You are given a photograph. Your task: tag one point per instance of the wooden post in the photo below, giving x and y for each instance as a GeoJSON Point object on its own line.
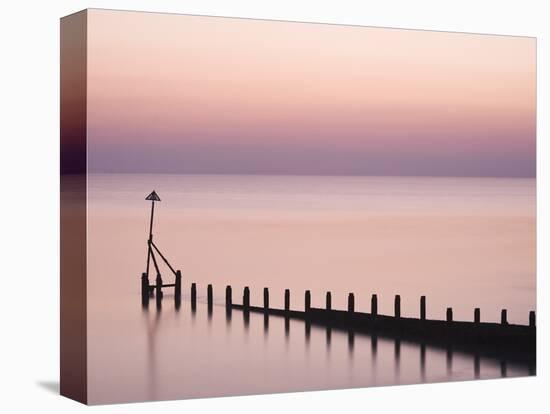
{"type": "Point", "coordinates": [423, 308]}
{"type": "Point", "coordinates": [210, 296]}
{"type": "Point", "coordinates": [477, 315]}
{"type": "Point", "coordinates": [193, 293]}
{"type": "Point", "coordinates": [144, 286]}
{"type": "Point", "coordinates": [246, 298]}
{"type": "Point", "coordinates": [145, 290]}
{"type": "Point", "coordinates": [307, 301]}
{"type": "Point", "coordinates": [158, 286]}
{"type": "Point", "coordinates": [504, 317]}
{"type": "Point", "coordinates": [177, 286]}
{"type": "Point", "coordinates": [532, 319]}
{"type": "Point", "coordinates": [374, 305]}
{"type": "Point", "coordinates": [177, 290]}
{"type": "Point", "coordinates": [266, 299]}
{"type": "Point", "coordinates": [228, 297]}
{"type": "Point", "coordinates": [351, 303]}
{"type": "Point", "coordinates": [449, 314]}
{"type": "Point", "coordinates": [397, 306]}
{"type": "Point", "coordinates": [329, 301]}
{"type": "Point", "coordinates": [287, 300]}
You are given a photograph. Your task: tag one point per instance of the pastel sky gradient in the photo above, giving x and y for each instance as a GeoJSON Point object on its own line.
{"type": "Point", "coordinates": [207, 95]}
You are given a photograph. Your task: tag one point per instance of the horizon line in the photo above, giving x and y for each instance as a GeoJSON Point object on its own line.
{"type": "Point", "coordinates": [524, 177]}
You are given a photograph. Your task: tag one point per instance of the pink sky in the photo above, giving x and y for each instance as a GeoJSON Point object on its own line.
{"type": "Point", "coordinates": [191, 94]}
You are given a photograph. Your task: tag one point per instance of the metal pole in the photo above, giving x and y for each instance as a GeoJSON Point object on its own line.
{"type": "Point", "coordinates": [150, 240]}
{"type": "Point", "coordinates": [153, 197]}
{"type": "Point", "coordinates": [163, 258]}
{"type": "Point", "coordinates": [151, 221]}
{"type": "Point", "coordinates": [148, 258]}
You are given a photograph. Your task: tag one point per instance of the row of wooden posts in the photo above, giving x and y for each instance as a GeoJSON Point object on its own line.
{"type": "Point", "coordinates": [328, 305]}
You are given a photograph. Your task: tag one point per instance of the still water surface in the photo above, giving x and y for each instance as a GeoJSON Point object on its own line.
{"type": "Point", "coordinates": [462, 242]}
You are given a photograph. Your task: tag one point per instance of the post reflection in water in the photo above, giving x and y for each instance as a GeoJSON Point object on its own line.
{"type": "Point", "coordinates": [351, 341]}
{"type": "Point", "coordinates": [209, 313]}
{"type": "Point", "coordinates": [374, 345]}
{"type": "Point", "coordinates": [397, 356]}
{"type": "Point", "coordinates": [246, 320]}
{"type": "Point", "coordinates": [152, 325]}
{"type": "Point", "coordinates": [449, 359]}
{"type": "Point", "coordinates": [503, 368]}
{"type": "Point", "coordinates": [476, 366]}
{"type": "Point", "coordinates": [193, 307]}
{"type": "Point", "coordinates": [287, 329]}
{"type": "Point", "coordinates": [423, 362]}
{"type": "Point", "coordinates": [266, 325]}
{"type": "Point", "coordinates": [308, 332]}
{"type": "Point", "coordinates": [228, 314]}
{"type": "Point", "coordinates": [328, 339]}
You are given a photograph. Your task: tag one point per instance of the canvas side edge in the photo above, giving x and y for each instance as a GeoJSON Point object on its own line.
{"type": "Point", "coordinates": [73, 213]}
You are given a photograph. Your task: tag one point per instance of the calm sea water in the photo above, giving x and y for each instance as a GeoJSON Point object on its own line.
{"type": "Point", "coordinates": [462, 242]}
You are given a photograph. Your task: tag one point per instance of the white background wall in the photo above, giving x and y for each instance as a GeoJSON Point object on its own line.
{"type": "Point", "coordinates": [29, 134]}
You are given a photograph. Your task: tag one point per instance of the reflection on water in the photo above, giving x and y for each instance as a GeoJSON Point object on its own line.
{"type": "Point", "coordinates": [181, 343]}
{"type": "Point", "coordinates": [397, 356]}
{"type": "Point", "coordinates": [423, 362]}
{"type": "Point", "coordinates": [287, 328]}
{"type": "Point", "coordinates": [351, 341]}
{"type": "Point", "coordinates": [449, 360]}
{"type": "Point", "coordinates": [153, 324]}
{"type": "Point", "coordinates": [503, 369]}
{"type": "Point", "coordinates": [266, 324]}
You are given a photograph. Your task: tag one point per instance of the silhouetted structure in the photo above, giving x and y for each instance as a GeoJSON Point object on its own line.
{"type": "Point", "coordinates": [397, 306]}
{"type": "Point", "coordinates": [307, 300]}
{"type": "Point", "coordinates": [147, 289]}
{"type": "Point", "coordinates": [504, 317]}
{"type": "Point", "coordinates": [423, 308]}
{"type": "Point", "coordinates": [193, 295]}
{"type": "Point", "coordinates": [351, 303]}
{"type": "Point", "coordinates": [503, 340]}
{"type": "Point", "coordinates": [228, 297]}
{"type": "Point", "coordinates": [287, 299]}
{"type": "Point", "coordinates": [246, 298]}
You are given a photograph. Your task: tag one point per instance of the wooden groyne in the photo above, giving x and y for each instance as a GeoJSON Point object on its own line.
{"type": "Point", "coordinates": [504, 341]}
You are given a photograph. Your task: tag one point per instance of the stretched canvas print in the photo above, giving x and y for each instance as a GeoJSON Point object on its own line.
{"type": "Point", "coordinates": [252, 206]}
